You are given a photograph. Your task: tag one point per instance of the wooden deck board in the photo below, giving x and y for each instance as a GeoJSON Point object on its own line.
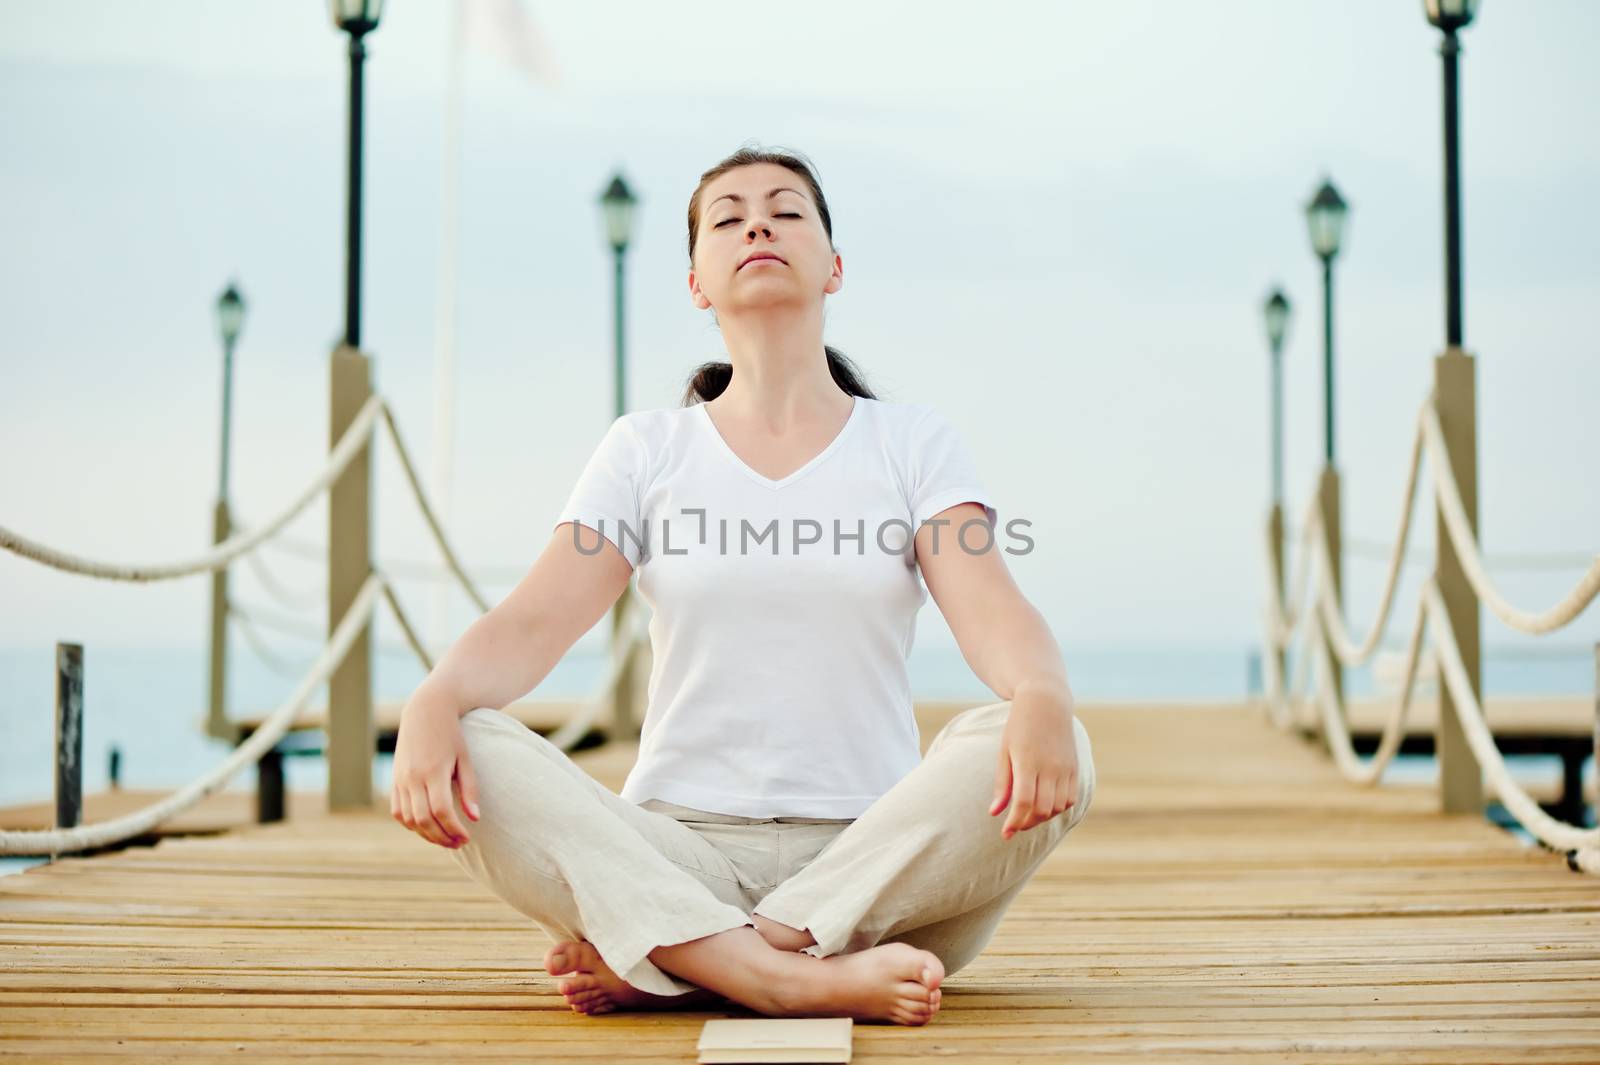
{"type": "Point", "coordinates": [1229, 897]}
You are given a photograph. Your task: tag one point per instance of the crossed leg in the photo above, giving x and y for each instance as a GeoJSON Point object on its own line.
{"type": "Point", "coordinates": [654, 904]}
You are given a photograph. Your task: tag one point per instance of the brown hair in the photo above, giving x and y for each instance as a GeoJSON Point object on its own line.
{"type": "Point", "coordinates": [710, 379]}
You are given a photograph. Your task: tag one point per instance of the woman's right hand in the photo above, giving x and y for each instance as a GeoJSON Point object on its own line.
{"type": "Point", "coordinates": [430, 758]}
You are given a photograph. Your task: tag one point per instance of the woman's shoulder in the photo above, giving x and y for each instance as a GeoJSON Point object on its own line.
{"type": "Point", "coordinates": [905, 420]}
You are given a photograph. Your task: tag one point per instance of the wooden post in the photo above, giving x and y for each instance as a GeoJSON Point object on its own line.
{"type": "Point", "coordinates": [217, 723]}
{"type": "Point", "coordinates": [1456, 395]}
{"type": "Point", "coordinates": [270, 787]}
{"type": "Point", "coordinates": [69, 734]}
{"type": "Point", "coordinates": [1275, 539]}
{"type": "Point", "coordinates": [351, 732]}
{"type": "Point", "coordinates": [1328, 507]}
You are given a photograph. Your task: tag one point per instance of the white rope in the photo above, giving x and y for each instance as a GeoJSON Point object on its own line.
{"type": "Point", "coordinates": [428, 515]}
{"type": "Point", "coordinates": [84, 837]}
{"type": "Point", "coordinates": [1348, 651]}
{"type": "Point", "coordinates": [1584, 842]}
{"type": "Point", "coordinates": [407, 568]}
{"type": "Point", "coordinates": [310, 631]}
{"type": "Point", "coordinates": [350, 444]}
{"type": "Point", "coordinates": [1333, 714]}
{"type": "Point", "coordinates": [1466, 546]}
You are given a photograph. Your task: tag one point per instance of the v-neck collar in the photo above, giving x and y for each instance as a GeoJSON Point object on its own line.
{"type": "Point", "coordinates": [815, 461]}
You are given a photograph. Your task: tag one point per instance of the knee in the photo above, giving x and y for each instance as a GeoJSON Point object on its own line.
{"type": "Point", "coordinates": [1086, 772]}
{"type": "Point", "coordinates": [987, 720]}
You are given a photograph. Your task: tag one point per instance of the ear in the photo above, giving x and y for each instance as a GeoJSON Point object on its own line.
{"type": "Point", "coordinates": [836, 278]}
{"type": "Point", "coordinates": [697, 297]}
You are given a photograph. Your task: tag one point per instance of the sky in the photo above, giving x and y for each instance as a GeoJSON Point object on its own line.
{"type": "Point", "coordinates": [1058, 223]}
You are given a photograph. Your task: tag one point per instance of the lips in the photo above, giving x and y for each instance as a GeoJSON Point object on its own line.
{"type": "Point", "coordinates": [761, 255]}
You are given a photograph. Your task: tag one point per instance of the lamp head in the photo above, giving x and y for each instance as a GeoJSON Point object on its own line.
{"type": "Point", "coordinates": [617, 204]}
{"type": "Point", "coordinates": [1450, 15]}
{"type": "Point", "coordinates": [1325, 216]}
{"type": "Point", "coordinates": [230, 313]}
{"type": "Point", "coordinates": [1276, 312]}
{"type": "Point", "coordinates": [355, 16]}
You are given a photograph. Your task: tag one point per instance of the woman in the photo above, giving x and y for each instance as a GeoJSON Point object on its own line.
{"type": "Point", "coordinates": [781, 842]}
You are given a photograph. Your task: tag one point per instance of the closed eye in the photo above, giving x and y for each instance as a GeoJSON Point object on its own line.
{"type": "Point", "coordinates": [783, 214]}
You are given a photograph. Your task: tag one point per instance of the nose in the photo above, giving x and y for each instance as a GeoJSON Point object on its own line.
{"type": "Point", "coordinates": [764, 228]}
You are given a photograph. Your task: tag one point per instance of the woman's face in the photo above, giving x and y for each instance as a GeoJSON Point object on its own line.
{"type": "Point", "coordinates": [761, 210]}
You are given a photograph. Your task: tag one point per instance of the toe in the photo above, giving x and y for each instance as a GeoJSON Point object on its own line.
{"type": "Point", "coordinates": [559, 959]}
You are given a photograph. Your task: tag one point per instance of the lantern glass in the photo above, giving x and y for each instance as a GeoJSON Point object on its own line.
{"type": "Point", "coordinates": [1325, 216]}
{"type": "Point", "coordinates": [351, 13]}
{"type": "Point", "coordinates": [1450, 14]}
{"type": "Point", "coordinates": [617, 204]}
{"type": "Point", "coordinates": [1276, 313]}
{"type": "Point", "coordinates": [230, 313]}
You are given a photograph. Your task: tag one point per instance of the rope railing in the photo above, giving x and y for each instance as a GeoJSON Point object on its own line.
{"type": "Point", "coordinates": [1431, 646]}
{"type": "Point", "coordinates": [349, 445]}
{"type": "Point", "coordinates": [355, 620]}
{"type": "Point", "coordinates": [262, 740]}
{"type": "Point", "coordinates": [1466, 546]}
{"type": "Point", "coordinates": [439, 538]}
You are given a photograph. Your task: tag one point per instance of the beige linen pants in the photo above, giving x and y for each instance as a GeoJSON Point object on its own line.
{"type": "Point", "coordinates": [924, 865]}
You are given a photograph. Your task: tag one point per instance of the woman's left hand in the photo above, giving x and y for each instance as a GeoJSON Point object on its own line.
{"type": "Point", "coordinates": [1038, 770]}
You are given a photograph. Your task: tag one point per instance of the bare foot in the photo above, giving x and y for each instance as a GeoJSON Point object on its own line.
{"type": "Point", "coordinates": [594, 988]}
{"type": "Point", "coordinates": [893, 982]}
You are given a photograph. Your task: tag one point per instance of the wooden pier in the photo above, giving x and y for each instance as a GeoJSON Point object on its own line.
{"type": "Point", "coordinates": [1229, 898]}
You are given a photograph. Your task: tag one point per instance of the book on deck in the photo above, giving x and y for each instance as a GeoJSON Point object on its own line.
{"type": "Point", "coordinates": [727, 1040]}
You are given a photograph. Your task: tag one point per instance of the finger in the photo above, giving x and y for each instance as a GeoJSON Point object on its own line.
{"type": "Point", "coordinates": [1002, 783]}
{"type": "Point", "coordinates": [1024, 784]}
{"type": "Point", "coordinates": [442, 805]}
{"type": "Point", "coordinates": [467, 778]}
{"type": "Point", "coordinates": [404, 806]}
{"type": "Point", "coordinates": [422, 814]}
{"type": "Point", "coordinates": [444, 808]}
{"type": "Point", "coordinates": [1044, 801]}
{"type": "Point", "coordinates": [1067, 795]}
{"type": "Point", "coordinates": [412, 801]}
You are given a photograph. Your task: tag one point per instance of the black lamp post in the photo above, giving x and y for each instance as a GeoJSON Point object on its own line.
{"type": "Point", "coordinates": [1450, 16]}
{"type": "Point", "coordinates": [1325, 219]}
{"type": "Point", "coordinates": [230, 318]}
{"type": "Point", "coordinates": [357, 18]}
{"type": "Point", "coordinates": [1276, 312]}
{"type": "Point", "coordinates": [617, 204]}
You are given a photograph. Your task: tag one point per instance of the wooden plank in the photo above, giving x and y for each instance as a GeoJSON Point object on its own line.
{"type": "Point", "coordinates": [1229, 896]}
{"type": "Point", "coordinates": [1523, 715]}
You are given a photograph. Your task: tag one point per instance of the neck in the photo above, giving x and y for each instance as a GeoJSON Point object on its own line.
{"type": "Point", "coordinates": [780, 368]}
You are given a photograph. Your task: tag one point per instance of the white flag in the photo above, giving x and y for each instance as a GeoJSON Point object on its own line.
{"type": "Point", "coordinates": [503, 29]}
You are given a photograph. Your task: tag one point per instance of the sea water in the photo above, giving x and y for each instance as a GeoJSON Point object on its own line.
{"type": "Point", "coordinates": [148, 704]}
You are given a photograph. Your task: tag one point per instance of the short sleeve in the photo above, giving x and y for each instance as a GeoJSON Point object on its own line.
{"type": "Point", "coordinates": [942, 471]}
{"type": "Point", "coordinates": [606, 496]}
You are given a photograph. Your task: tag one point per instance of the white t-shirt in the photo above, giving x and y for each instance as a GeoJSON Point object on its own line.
{"type": "Point", "coordinates": [779, 685]}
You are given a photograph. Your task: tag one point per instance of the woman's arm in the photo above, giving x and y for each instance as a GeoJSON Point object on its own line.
{"type": "Point", "coordinates": [502, 656]}
{"type": "Point", "coordinates": [507, 652]}
{"type": "Point", "coordinates": [1002, 636]}
{"type": "Point", "coordinates": [1008, 645]}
